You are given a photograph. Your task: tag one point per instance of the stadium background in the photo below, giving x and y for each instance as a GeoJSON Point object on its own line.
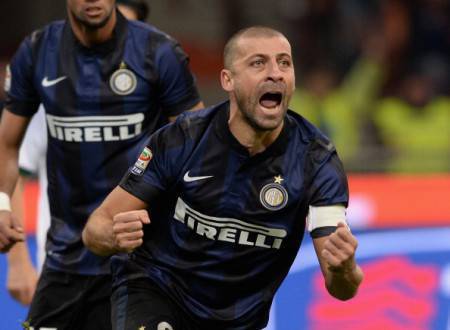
{"type": "Point", "coordinates": [378, 74]}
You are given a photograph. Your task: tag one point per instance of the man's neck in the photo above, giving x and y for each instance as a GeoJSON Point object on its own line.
{"type": "Point", "coordinates": [90, 37]}
{"type": "Point", "coordinates": [256, 141]}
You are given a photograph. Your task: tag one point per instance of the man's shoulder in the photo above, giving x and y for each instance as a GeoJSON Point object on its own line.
{"type": "Point", "coordinates": [308, 131]}
{"type": "Point", "coordinates": [48, 33]}
{"type": "Point", "coordinates": [190, 125]}
{"type": "Point", "coordinates": [150, 31]}
{"type": "Point", "coordinates": [317, 145]}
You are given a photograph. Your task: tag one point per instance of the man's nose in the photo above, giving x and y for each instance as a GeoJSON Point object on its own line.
{"type": "Point", "coordinates": [274, 71]}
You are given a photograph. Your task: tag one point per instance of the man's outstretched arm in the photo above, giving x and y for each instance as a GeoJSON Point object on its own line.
{"type": "Point", "coordinates": [12, 130]}
{"type": "Point", "coordinates": [117, 224]}
{"type": "Point", "coordinates": [336, 254]}
{"type": "Point", "coordinates": [22, 276]}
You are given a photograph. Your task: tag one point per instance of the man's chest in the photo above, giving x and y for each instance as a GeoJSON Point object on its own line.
{"type": "Point", "coordinates": [224, 196]}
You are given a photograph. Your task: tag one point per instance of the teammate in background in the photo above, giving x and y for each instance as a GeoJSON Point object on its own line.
{"type": "Point", "coordinates": [106, 84]}
{"type": "Point", "coordinates": [22, 275]}
{"type": "Point", "coordinates": [229, 190]}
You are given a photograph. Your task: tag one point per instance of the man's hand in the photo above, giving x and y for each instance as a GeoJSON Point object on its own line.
{"type": "Point", "coordinates": [339, 250]}
{"type": "Point", "coordinates": [336, 254]}
{"type": "Point", "coordinates": [10, 231]}
{"type": "Point", "coordinates": [128, 229]}
{"type": "Point", "coordinates": [22, 279]}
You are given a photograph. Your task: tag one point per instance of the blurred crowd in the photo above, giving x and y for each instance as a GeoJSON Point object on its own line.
{"type": "Point", "coordinates": [374, 75]}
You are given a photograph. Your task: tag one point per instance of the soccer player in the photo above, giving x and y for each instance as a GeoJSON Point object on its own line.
{"type": "Point", "coordinates": [22, 275]}
{"type": "Point", "coordinates": [212, 213]}
{"type": "Point", "coordinates": [106, 84]}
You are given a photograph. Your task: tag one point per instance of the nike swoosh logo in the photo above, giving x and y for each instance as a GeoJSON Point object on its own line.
{"type": "Point", "coordinates": [48, 83]}
{"type": "Point", "coordinates": [188, 178]}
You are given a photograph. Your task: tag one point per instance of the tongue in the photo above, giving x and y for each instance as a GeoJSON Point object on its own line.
{"type": "Point", "coordinates": [268, 103]}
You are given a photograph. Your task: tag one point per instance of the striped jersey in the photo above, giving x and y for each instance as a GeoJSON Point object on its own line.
{"type": "Point", "coordinates": [101, 103]}
{"type": "Point", "coordinates": [225, 225]}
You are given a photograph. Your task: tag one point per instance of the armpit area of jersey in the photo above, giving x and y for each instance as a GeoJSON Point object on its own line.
{"type": "Point", "coordinates": [21, 108]}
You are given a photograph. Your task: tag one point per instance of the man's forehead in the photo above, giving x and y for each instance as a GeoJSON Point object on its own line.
{"type": "Point", "coordinates": [253, 45]}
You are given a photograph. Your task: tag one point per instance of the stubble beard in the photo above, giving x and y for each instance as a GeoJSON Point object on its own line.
{"type": "Point", "coordinates": [248, 110]}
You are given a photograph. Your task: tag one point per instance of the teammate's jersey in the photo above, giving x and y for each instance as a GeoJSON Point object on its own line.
{"type": "Point", "coordinates": [226, 226]}
{"type": "Point", "coordinates": [100, 102]}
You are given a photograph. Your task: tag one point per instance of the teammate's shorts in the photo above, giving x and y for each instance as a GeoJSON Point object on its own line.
{"type": "Point", "coordinates": [70, 301]}
{"type": "Point", "coordinates": [141, 304]}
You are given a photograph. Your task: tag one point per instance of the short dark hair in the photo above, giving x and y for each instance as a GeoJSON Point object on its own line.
{"type": "Point", "coordinates": [229, 51]}
{"type": "Point", "coordinates": [140, 6]}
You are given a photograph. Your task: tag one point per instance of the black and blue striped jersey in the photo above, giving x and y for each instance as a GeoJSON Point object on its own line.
{"type": "Point", "coordinates": [226, 226]}
{"type": "Point", "coordinates": [101, 103]}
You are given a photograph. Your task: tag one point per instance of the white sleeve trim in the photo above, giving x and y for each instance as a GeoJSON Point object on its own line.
{"type": "Point", "coordinates": [325, 216]}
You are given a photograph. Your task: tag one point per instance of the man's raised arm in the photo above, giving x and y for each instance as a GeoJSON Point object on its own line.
{"type": "Point", "coordinates": [117, 224]}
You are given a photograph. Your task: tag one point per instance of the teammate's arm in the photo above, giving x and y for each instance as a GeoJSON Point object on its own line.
{"type": "Point", "coordinates": [336, 254]}
{"type": "Point", "coordinates": [117, 224]}
{"type": "Point", "coordinates": [12, 130]}
{"type": "Point", "coordinates": [22, 276]}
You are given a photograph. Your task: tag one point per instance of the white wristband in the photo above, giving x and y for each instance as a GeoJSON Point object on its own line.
{"type": "Point", "coordinates": [5, 203]}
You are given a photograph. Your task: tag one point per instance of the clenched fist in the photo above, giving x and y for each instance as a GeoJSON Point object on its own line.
{"type": "Point", "coordinates": [339, 250]}
{"type": "Point", "coordinates": [10, 231]}
{"type": "Point", "coordinates": [128, 229]}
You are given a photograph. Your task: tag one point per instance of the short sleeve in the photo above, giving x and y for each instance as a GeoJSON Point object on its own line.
{"type": "Point", "coordinates": [177, 88]}
{"type": "Point", "coordinates": [21, 96]}
{"type": "Point", "coordinates": [158, 164]}
{"type": "Point", "coordinates": [330, 186]}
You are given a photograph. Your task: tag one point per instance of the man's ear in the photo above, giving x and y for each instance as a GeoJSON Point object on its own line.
{"type": "Point", "coordinates": [226, 80]}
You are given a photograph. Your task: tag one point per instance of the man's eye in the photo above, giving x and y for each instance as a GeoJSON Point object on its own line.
{"type": "Point", "coordinates": [257, 63]}
{"type": "Point", "coordinates": [285, 63]}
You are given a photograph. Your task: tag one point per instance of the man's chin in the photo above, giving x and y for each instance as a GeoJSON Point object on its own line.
{"type": "Point", "coordinates": [94, 23]}
{"type": "Point", "coordinates": [266, 125]}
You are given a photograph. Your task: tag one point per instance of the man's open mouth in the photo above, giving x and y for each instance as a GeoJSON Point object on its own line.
{"type": "Point", "coordinates": [270, 99]}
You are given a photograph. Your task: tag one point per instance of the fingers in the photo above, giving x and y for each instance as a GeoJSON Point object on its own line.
{"type": "Point", "coordinates": [129, 246]}
{"type": "Point", "coordinates": [16, 236]}
{"type": "Point", "coordinates": [344, 233]}
{"type": "Point", "coordinates": [9, 233]}
{"type": "Point", "coordinates": [339, 248]}
{"type": "Point", "coordinates": [138, 215]}
{"type": "Point", "coordinates": [4, 242]}
{"type": "Point", "coordinates": [330, 258]}
{"type": "Point", "coordinates": [128, 229]}
{"type": "Point", "coordinates": [16, 224]}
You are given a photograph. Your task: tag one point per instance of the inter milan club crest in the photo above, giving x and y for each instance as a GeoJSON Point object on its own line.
{"type": "Point", "coordinates": [141, 164]}
{"type": "Point", "coordinates": [123, 81]}
{"type": "Point", "coordinates": [273, 195]}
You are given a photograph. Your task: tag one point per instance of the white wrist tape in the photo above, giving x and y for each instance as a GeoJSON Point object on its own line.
{"type": "Point", "coordinates": [5, 203]}
{"type": "Point", "coordinates": [325, 216]}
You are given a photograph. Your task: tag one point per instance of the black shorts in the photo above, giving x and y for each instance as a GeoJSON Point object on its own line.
{"type": "Point", "coordinates": [141, 304]}
{"type": "Point", "coordinates": [70, 301]}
